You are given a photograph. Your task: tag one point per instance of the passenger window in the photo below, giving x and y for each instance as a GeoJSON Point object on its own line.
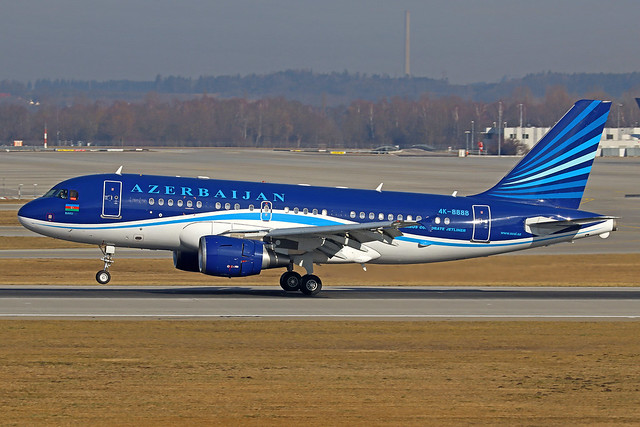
{"type": "Point", "coordinates": [399, 217]}
{"type": "Point", "coordinates": [296, 210]}
{"type": "Point", "coordinates": [73, 195]}
{"type": "Point", "coordinates": [198, 204]}
{"type": "Point", "coordinates": [315, 211]}
{"type": "Point", "coordinates": [160, 202]}
{"type": "Point", "coordinates": [227, 206]}
{"type": "Point", "coordinates": [218, 205]}
{"type": "Point", "coordinates": [409, 218]}
{"type": "Point", "coordinates": [372, 215]}
{"type": "Point", "coordinates": [324, 212]}
{"type": "Point", "coordinates": [152, 202]}
{"type": "Point", "coordinates": [189, 203]}
{"type": "Point", "coordinates": [305, 211]}
{"type": "Point", "coordinates": [381, 216]}
{"type": "Point", "coordinates": [352, 214]}
{"type": "Point", "coordinates": [390, 217]}
{"type": "Point", "coordinates": [180, 203]}
{"type": "Point", "coordinates": [251, 208]}
{"type": "Point", "coordinates": [418, 218]}
{"type": "Point", "coordinates": [170, 202]}
{"type": "Point", "coordinates": [361, 215]}
{"type": "Point", "coordinates": [236, 206]}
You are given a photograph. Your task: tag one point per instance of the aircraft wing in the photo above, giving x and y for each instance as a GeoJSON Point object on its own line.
{"type": "Point", "coordinates": [344, 241]}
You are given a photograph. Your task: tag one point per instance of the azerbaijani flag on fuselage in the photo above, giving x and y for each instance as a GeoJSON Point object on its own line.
{"type": "Point", "coordinates": [71, 208]}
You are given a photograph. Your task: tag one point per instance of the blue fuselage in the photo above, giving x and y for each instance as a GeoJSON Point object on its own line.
{"type": "Point", "coordinates": [153, 212]}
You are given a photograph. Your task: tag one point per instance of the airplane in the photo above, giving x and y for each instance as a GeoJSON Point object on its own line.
{"type": "Point", "coordinates": [237, 229]}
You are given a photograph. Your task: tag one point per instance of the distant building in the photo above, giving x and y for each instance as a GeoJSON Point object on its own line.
{"type": "Point", "coordinates": [611, 137]}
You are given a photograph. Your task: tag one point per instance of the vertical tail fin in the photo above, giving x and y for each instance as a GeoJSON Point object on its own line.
{"type": "Point", "coordinates": [556, 170]}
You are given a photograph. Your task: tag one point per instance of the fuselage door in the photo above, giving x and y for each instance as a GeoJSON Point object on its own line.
{"type": "Point", "coordinates": [266, 211]}
{"type": "Point", "coordinates": [481, 223]}
{"type": "Point", "coordinates": [111, 199]}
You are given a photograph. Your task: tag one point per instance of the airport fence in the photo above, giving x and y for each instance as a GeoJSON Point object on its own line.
{"type": "Point", "coordinates": [19, 192]}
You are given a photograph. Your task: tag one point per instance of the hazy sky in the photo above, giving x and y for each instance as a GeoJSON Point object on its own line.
{"type": "Point", "coordinates": [465, 40]}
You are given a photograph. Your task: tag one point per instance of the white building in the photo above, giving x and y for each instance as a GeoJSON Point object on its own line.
{"type": "Point", "coordinates": [612, 138]}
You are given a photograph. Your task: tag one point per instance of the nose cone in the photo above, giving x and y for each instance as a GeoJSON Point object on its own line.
{"type": "Point", "coordinates": [31, 210]}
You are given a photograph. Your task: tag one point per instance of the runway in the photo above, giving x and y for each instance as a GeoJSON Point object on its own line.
{"type": "Point", "coordinates": [611, 181]}
{"type": "Point", "coordinates": [353, 303]}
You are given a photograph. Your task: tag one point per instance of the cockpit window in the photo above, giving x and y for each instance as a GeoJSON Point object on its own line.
{"type": "Point", "coordinates": [50, 193]}
{"type": "Point", "coordinates": [59, 193]}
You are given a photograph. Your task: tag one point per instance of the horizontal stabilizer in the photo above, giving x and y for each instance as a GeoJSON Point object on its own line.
{"type": "Point", "coordinates": [542, 226]}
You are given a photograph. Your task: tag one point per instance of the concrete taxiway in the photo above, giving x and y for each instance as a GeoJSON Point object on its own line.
{"type": "Point", "coordinates": [333, 303]}
{"type": "Point", "coordinates": [612, 183]}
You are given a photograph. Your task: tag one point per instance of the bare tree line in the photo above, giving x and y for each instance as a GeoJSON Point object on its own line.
{"type": "Point", "coordinates": [204, 120]}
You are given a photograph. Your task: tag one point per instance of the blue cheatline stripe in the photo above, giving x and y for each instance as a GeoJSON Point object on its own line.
{"type": "Point", "coordinates": [536, 196]}
{"type": "Point", "coordinates": [578, 185]}
{"type": "Point", "coordinates": [588, 129]}
{"type": "Point", "coordinates": [292, 218]}
{"type": "Point", "coordinates": [554, 171]}
{"type": "Point", "coordinates": [532, 186]}
{"type": "Point", "coordinates": [590, 144]}
{"type": "Point", "coordinates": [592, 106]}
{"type": "Point", "coordinates": [567, 175]}
{"type": "Point", "coordinates": [521, 241]}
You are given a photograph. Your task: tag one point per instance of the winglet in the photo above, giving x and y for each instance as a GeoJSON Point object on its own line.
{"type": "Point", "coordinates": [119, 171]}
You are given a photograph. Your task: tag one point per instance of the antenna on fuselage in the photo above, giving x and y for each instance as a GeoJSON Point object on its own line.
{"type": "Point", "coordinates": [379, 189]}
{"type": "Point", "coordinates": [119, 171]}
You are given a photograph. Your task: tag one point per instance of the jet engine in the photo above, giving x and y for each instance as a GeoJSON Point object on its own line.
{"type": "Point", "coordinates": [233, 257]}
{"type": "Point", "coordinates": [186, 261]}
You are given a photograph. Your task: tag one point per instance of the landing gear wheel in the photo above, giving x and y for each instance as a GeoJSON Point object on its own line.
{"type": "Point", "coordinates": [310, 284]}
{"type": "Point", "coordinates": [290, 281]}
{"type": "Point", "coordinates": [103, 277]}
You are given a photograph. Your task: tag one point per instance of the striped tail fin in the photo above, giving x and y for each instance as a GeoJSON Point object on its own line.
{"type": "Point", "coordinates": [556, 170]}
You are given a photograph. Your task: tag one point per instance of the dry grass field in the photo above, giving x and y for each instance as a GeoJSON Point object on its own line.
{"type": "Point", "coordinates": [246, 372]}
{"type": "Point", "coordinates": [319, 373]}
{"type": "Point", "coordinates": [9, 218]}
{"type": "Point", "coordinates": [513, 270]}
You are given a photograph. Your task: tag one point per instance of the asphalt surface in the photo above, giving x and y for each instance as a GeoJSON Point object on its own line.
{"type": "Point", "coordinates": [333, 303]}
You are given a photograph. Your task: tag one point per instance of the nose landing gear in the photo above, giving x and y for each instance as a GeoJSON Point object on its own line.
{"type": "Point", "coordinates": [103, 276]}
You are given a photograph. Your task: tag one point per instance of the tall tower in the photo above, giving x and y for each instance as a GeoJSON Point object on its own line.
{"type": "Point", "coordinates": [407, 62]}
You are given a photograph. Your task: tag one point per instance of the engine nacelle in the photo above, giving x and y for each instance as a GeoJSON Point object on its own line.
{"type": "Point", "coordinates": [232, 257]}
{"type": "Point", "coordinates": [186, 261]}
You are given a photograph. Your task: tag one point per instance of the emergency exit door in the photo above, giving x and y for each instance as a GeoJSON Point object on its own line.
{"type": "Point", "coordinates": [111, 199]}
{"type": "Point", "coordinates": [481, 223]}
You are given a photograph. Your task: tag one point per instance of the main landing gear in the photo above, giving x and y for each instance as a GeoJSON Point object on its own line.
{"type": "Point", "coordinates": [103, 276]}
{"type": "Point", "coordinates": [309, 284]}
